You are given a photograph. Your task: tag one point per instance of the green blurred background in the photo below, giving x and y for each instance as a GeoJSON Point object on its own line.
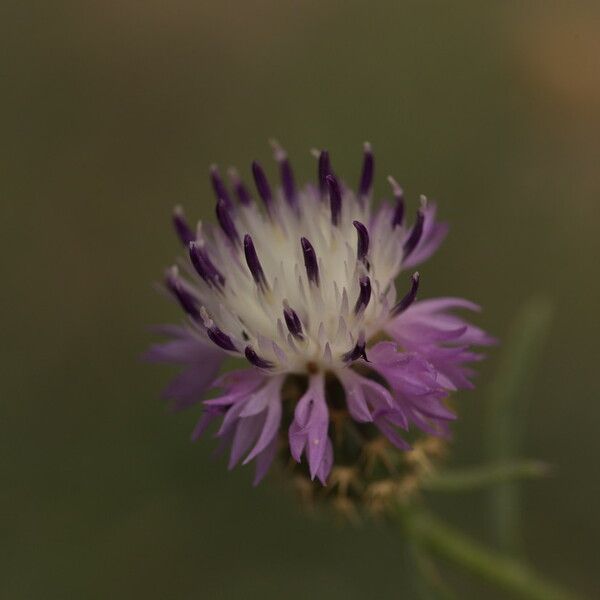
{"type": "Point", "coordinates": [112, 112]}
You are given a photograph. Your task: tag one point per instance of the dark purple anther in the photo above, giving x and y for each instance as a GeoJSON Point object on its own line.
{"type": "Point", "coordinates": [335, 199]}
{"type": "Point", "coordinates": [415, 235]}
{"type": "Point", "coordinates": [359, 351]}
{"type": "Point", "coordinates": [292, 320]}
{"type": "Point", "coordinates": [409, 298]}
{"type": "Point", "coordinates": [310, 261]}
{"type": "Point", "coordinates": [220, 339]}
{"type": "Point", "coordinates": [183, 230]}
{"type": "Point", "coordinates": [187, 301]}
{"type": "Point", "coordinates": [366, 178]}
{"type": "Point", "coordinates": [364, 295]}
{"type": "Point", "coordinates": [256, 360]}
{"type": "Point", "coordinates": [254, 264]}
{"type": "Point", "coordinates": [324, 170]}
{"type": "Point", "coordinates": [262, 185]}
{"type": "Point", "coordinates": [362, 244]}
{"type": "Point", "coordinates": [399, 209]}
{"type": "Point", "coordinates": [241, 191]}
{"type": "Point", "coordinates": [226, 222]}
{"type": "Point", "coordinates": [204, 266]}
{"type": "Point", "coordinates": [287, 175]}
{"type": "Point", "coordinates": [220, 190]}
{"type": "Point", "coordinates": [217, 336]}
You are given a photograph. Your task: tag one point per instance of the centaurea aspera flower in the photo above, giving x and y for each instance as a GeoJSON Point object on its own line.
{"type": "Point", "coordinates": [300, 283]}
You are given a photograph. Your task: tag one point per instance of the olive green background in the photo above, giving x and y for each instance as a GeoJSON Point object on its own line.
{"type": "Point", "coordinates": [112, 112]}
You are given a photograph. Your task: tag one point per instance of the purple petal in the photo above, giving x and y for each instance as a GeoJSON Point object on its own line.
{"type": "Point", "coordinates": [270, 428]}
{"type": "Point", "coordinates": [308, 431]}
{"type": "Point", "coordinates": [264, 460]}
{"type": "Point", "coordinates": [326, 463]}
{"type": "Point", "coordinates": [246, 431]}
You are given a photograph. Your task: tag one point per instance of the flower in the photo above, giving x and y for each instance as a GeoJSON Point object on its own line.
{"type": "Point", "coordinates": [301, 286]}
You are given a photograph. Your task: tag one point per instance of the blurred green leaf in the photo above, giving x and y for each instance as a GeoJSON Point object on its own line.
{"type": "Point", "coordinates": [508, 407]}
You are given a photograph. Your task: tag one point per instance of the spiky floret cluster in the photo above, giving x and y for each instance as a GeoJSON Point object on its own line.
{"type": "Point", "coordinates": [302, 284]}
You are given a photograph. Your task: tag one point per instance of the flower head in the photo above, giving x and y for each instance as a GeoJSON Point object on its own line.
{"type": "Point", "coordinates": [299, 282]}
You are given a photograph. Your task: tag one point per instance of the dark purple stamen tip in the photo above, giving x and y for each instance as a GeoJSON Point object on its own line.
{"type": "Point", "coordinates": [398, 192]}
{"type": "Point", "coordinates": [262, 185]}
{"type": "Point", "coordinates": [335, 199]}
{"type": "Point", "coordinates": [310, 261]}
{"type": "Point", "coordinates": [359, 351]}
{"type": "Point", "coordinates": [204, 266]}
{"type": "Point", "coordinates": [183, 230]}
{"type": "Point", "coordinates": [226, 222]}
{"type": "Point", "coordinates": [292, 320]}
{"type": "Point", "coordinates": [220, 338]}
{"type": "Point", "coordinates": [254, 264]}
{"type": "Point", "coordinates": [415, 235]}
{"type": "Point", "coordinates": [409, 298]}
{"type": "Point", "coordinates": [218, 186]}
{"type": "Point", "coordinates": [256, 360]}
{"type": "Point", "coordinates": [398, 213]}
{"type": "Point", "coordinates": [287, 179]}
{"type": "Point", "coordinates": [364, 294]}
{"type": "Point", "coordinates": [324, 170]}
{"type": "Point", "coordinates": [241, 191]}
{"type": "Point", "coordinates": [362, 244]}
{"type": "Point", "coordinates": [185, 299]}
{"type": "Point", "coordinates": [368, 169]}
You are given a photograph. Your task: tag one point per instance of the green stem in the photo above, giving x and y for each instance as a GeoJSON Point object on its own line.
{"type": "Point", "coordinates": [506, 573]}
{"type": "Point", "coordinates": [428, 580]}
{"type": "Point", "coordinates": [474, 478]}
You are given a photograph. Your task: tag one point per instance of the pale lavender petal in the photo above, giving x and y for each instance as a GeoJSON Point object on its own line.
{"type": "Point", "coordinates": [326, 463]}
{"type": "Point", "coordinates": [208, 416]}
{"type": "Point", "coordinates": [441, 337]}
{"type": "Point", "coordinates": [246, 431]}
{"type": "Point", "coordinates": [200, 361]}
{"type": "Point", "coordinates": [271, 423]}
{"type": "Point", "coordinates": [308, 431]}
{"type": "Point", "coordinates": [355, 397]}
{"type": "Point", "coordinates": [241, 381]}
{"type": "Point", "coordinates": [231, 418]}
{"type": "Point", "coordinates": [317, 436]}
{"type": "Point", "coordinates": [391, 434]}
{"type": "Point", "coordinates": [265, 459]}
{"type": "Point", "coordinates": [297, 441]}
